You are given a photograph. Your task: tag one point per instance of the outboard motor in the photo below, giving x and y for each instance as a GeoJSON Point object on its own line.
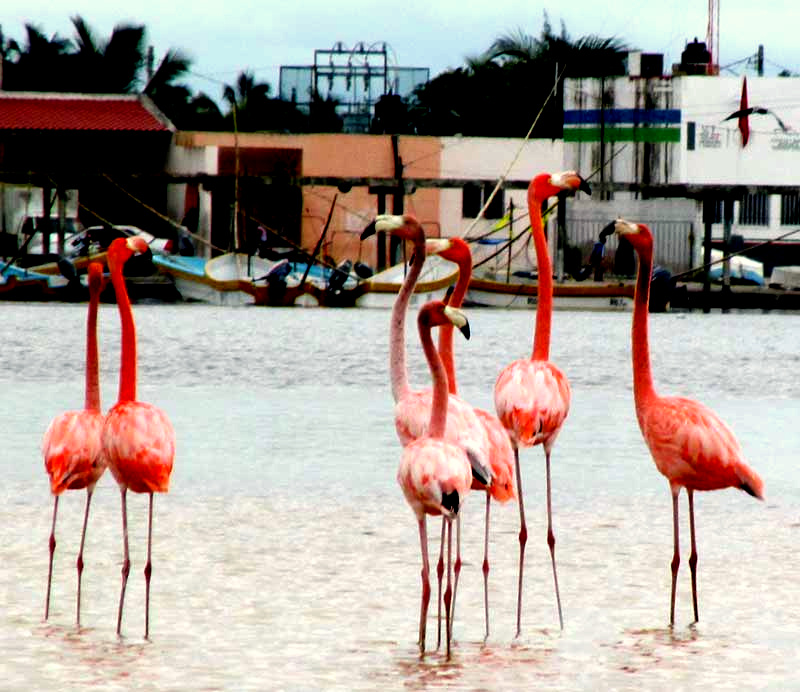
{"type": "Point", "coordinates": [661, 287]}
{"type": "Point", "coordinates": [362, 270]}
{"type": "Point", "coordinates": [339, 275]}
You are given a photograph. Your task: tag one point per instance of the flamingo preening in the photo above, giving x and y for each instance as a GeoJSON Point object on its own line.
{"type": "Point", "coordinates": [435, 473]}
{"type": "Point", "coordinates": [532, 395]}
{"type": "Point", "coordinates": [501, 454]}
{"type": "Point", "coordinates": [138, 439]}
{"type": "Point", "coordinates": [71, 445]}
{"type": "Point", "coordinates": [690, 445]}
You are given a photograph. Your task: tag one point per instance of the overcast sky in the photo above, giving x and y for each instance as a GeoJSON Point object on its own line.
{"type": "Point", "coordinates": [224, 38]}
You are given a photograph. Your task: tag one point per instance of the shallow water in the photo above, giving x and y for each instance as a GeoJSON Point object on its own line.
{"type": "Point", "coordinates": [284, 556]}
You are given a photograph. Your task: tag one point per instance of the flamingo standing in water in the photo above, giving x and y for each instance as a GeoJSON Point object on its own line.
{"type": "Point", "coordinates": [435, 473]}
{"type": "Point", "coordinates": [138, 439]}
{"type": "Point", "coordinates": [690, 445]}
{"type": "Point", "coordinates": [501, 454]}
{"type": "Point", "coordinates": [71, 446]}
{"type": "Point", "coordinates": [532, 395]}
{"type": "Point", "coordinates": [412, 408]}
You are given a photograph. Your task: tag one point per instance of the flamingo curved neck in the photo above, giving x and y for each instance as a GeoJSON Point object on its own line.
{"type": "Point", "coordinates": [438, 420]}
{"type": "Point", "coordinates": [544, 270]}
{"type": "Point", "coordinates": [127, 368]}
{"type": "Point", "coordinates": [643, 389]}
{"type": "Point", "coordinates": [446, 331]}
{"type": "Point", "coordinates": [92, 358]}
{"type": "Point", "coordinates": [397, 332]}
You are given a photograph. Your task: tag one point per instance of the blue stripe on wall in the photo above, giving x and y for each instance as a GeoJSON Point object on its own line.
{"type": "Point", "coordinates": [617, 116]}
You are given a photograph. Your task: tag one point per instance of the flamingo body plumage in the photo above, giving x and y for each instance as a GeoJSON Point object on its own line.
{"type": "Point", "coordinates": [140, 445]}
{"type": "Point", "coordinates": [690, 445]}
{"type": "Point", "coordinates": [532, 420]}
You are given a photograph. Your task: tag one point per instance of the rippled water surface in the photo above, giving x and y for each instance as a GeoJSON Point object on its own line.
{"type": "Point", "coordinates": [286, 558]}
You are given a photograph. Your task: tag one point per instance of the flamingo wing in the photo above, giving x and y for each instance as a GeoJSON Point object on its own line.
{"type": "Point", "coordinates": [501, 457]}
{"type": "Point", "coordinates": [691, 445]}
{"type": "Point", "coordinates": [72, 450]}
{"type": "Point", "coordinates": [139, 443]}
{"type": "Point", "coordinates": [435, 476]}
{"type": "Point", "coordinates": [532, 401]}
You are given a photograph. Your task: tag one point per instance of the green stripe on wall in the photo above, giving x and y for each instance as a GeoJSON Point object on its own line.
{"type": "Point", "coordinates": [623, 134]}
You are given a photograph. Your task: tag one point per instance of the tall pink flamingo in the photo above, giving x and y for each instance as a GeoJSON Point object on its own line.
{"type": "Point", "coordinates": [412, 408]}
{"type": "Point", "coordinates": [71, 446]}
{"type": "Point", "coordinates": [435, 473]}
{"type": "Point", "coordinates": [689, 444]}
{"type": "Point", "coordinates": [138, 439]}
{"type": "Point", "coordinates": [501, 454]}
{"type": "Point", "coordinates": [531, 395]}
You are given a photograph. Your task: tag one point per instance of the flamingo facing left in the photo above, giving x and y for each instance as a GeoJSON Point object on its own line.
{"type": "Point", "coordinates": [689, 444]}
{"type": "Point", "coordinates": [71, 446]}
{"type": "Point", "coordinates": [138, 439]}
{"type": "Point", "coordinates": [435, 473]}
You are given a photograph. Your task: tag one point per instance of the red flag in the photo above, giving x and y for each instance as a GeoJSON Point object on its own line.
{"type": "Point", "coordinates": [744, 120]}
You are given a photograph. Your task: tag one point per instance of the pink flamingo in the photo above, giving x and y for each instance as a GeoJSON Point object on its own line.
{"type": "Point", "coordinates": [138, 439]}
{"type": "Point", "coordinates": [501, 454]}
{"type": "Point", "coordinates": [71, 446]}
{"type": "Point", "coordinates": [412, 408]}
{"type": "Point", "coordinates": [690, 445]}
{"type": "Point", "coordinates": [435, 473]}
{"type": "Point", "coordinates": [532, 395]}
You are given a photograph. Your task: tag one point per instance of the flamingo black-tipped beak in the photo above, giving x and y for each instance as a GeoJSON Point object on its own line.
{"type": "Point", "coordinates": [585, 187]}
{"type": "Point", "coordinates": [369, 230]}
{"type": "Point", "coordinates": [607, 231]}
{"type": "Point", "coordinates": [448, 294]}
{"type": "Point", "coordinates": [464, 329]}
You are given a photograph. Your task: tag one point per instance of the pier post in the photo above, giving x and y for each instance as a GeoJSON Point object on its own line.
{"type": "Point", "coordinates": [709, 209]}
{"type": "Point", "coordinates": [727, 223]}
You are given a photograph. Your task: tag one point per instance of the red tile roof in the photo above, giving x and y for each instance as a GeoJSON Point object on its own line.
{"type": "Point", "coordinates": [28, 111]}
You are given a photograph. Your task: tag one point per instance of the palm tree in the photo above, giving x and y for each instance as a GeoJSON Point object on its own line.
{"type": "Point", "coordinates": [38, 65]}
{"type": "Point", "coordinates": [106, 67]}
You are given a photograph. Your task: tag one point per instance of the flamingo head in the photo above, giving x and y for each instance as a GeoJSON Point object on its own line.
{"type": "Point", "coordinates": [547, 185]}
{"type": "Point", "coordinates": [452, 249]}
{"type": "Point", "coordinates": [400, 225]}
{"type": "Point", "coordinates": [637, 234]}
{"type": "Point", "coordinates": [436, 313]}
{"type": "Point", "coordinates": [122, 249]}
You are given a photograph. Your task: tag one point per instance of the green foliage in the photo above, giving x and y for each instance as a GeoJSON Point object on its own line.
{"type": "Point", "coordinates": [498, 93]}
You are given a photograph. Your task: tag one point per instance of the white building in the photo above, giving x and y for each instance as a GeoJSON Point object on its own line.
{"type": "Point", "coordinates": [689, 137]}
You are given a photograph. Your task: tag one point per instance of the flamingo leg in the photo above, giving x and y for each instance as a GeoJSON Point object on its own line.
{"type": "Point", "coordinates": [426, 585]}
{"type": "Point", "coordinates": [448, 592]}
{"type": "Point", "coordinates": [439, 575]}
{"type": "Point", "coordinates": [456, 572]}
{"type": "Point", "coordinates": [551, 539]}
{"type": "Point", "coordinates": [486, 566]}
{"type": "Point", "coordinates": [79, 562]}
{"type": "Point", "coordinates": [693, 555]}
{"type": "Point", "coordinates": [52, 545]}
{"type": "Point", "coordinates": [126, 560]}
{"type": "Point", "coordinates": [676, 555]}
{"type": "Point", "coordinates": [523, 538]}
{"type": "Point", "coordinates": [148, 571]}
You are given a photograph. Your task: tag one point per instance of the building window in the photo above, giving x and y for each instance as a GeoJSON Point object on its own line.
{"type": "Point", "coordinates": [790, 208]}
{"type": "Point", "coordinates": [754, 209]}
{"type": "Point", "coordinates": [474, 196]}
